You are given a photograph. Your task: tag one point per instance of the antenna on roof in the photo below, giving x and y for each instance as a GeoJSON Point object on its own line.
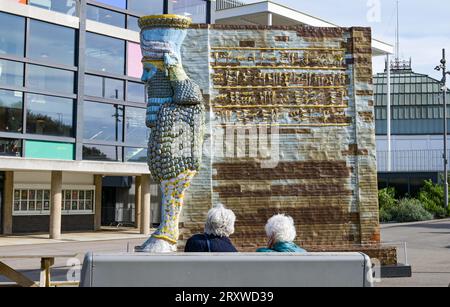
{"type": "Point", "coordinates": [397, 34]}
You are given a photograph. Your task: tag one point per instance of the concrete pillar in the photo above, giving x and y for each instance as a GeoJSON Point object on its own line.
{"type": "Point", "coordinates": [56, 205]}
{"type": "Point", "coordinates": [98, 182]}
{"type": "Point", "coordinates": [137, 201]}
{"type": "Point", "coordinates": [8, 192]}
{"type": "Point", "coordinates": [269, 19]}
{"type": "Point", "coordinates": [145, 203]}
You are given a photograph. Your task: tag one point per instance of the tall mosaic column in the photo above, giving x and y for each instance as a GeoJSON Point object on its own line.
{"type": "Point", "coordinates": [175, 115]}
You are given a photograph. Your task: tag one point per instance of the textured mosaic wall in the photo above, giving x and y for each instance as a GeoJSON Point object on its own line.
{"type": "Point", "coordinates": [292, 126]}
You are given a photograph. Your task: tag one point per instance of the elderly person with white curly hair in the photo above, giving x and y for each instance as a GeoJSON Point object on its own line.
{"type": "Point", "coordinates": [281, 234]}
{"type": "Point", "coordinates": [219, 226]}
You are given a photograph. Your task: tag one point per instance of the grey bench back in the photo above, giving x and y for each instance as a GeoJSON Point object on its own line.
{"type": "Point", "coordinates": [227, 270]}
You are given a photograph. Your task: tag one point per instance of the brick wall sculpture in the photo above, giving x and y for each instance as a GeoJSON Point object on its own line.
{"type": "Point", "coordinates": [290, 129]}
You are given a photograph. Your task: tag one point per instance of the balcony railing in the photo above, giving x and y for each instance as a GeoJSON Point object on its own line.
{"type": "Point", "coordinates": [228, 4]}
{"type": "Point", "coordinates": [411, 161]}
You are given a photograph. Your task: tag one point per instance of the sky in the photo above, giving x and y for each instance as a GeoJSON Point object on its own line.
{"type": "Point", "coordinates": [424, 25]}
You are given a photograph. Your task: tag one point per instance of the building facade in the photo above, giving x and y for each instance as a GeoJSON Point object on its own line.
{"type": "Point", "coordinates": [417, 126]}
{"type": "Point", "coordinates": [72, 106]}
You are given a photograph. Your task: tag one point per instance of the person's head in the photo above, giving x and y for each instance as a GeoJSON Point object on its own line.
{"type": "Point", "coordinates": [280, 228]}
{"type": "Point", "coordinates": [220, 222]}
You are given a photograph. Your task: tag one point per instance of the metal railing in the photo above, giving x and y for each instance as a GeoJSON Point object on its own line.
{"type": "Point", "coordinates": [411, 161]}
{"type": "Point", "coordinates": [228, 4]}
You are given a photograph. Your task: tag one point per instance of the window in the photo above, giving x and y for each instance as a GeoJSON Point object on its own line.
{"type": "Point", "coordinates": [49, 115]}
{"type": "Point", "coordinates": [136, 130]}
{"type": "Point", "coordinates": [132, 24]}
{"type": "Point", "coordinates": [103, 122]}
{"type": "Point", "coordinates": [51, 43]}
{"type": "Point", "coordinates": [50, 79]}
{"type": "Point", "coordinates": [12, 34]}
{"type": "Point", "coordinates": [136, 155]}
{"type": "Point", "coordinates": [143, 8]}
{"type": "Point", "coordinates": [78, 201]}
{"type": "Point", "coordinates": [105, 16]}
{"type": "Point", "coordinates": [134, 60]}
{"type": "Point", "coordinates": [105, 54]}
{"type": "Point", "coordinates": [11, 105]}
{"type": "Point", "coordinates": [136, 92]}
{"type": "Point", "coordinates": [37, 201]}
{"type": "Point", "coordinates": [102, 153]}
{"type": "Point", "coordinates": [31, 201]}
{"type": "Point", "coordinates": [104, 87]}
{"type": "Point", "coordinates": [10, 147]}
{"type": "Point", "coordinates": [68, 7]}
{"type": "Point", "coordinates": [117, 3]}
{"type": "Point", "coordinates": [11, 73]}
{"type": "Point", "coordinates": [195, 9]}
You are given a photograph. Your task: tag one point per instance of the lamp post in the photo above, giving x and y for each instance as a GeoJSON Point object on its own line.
{"type": "Point", "coordinates": [443, 68]}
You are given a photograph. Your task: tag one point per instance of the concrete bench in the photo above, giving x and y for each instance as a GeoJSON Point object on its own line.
{"type": "Point", "coordinates": [227, 270]}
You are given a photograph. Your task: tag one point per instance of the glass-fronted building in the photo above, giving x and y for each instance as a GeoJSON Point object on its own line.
{"type": "Point", "coordinates": [417, 126]}
{"type": "Point", "coordinates": [71, 100]}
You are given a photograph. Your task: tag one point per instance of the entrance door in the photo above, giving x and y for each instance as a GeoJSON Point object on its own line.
{"type": "Point", "coordinates": [2, 176]}
{"type": "Point", "coordinates": [108, 206]}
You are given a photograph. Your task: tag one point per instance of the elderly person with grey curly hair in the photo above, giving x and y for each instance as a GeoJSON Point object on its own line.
{"type": "Point", "coordinates": [219, 226]}
{"type": "Point", "coordinates": [281, 234]}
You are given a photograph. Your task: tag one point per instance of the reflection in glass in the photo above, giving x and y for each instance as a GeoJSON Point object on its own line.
{"type": "Point", "coordinates": [143, 8]}
{"type": "Point", "coordinates": [118, 3]}
{"type": "Point", "coordinates": [52, 43]}
{"type": "Point", "coordinates": [137, 155]}
{"type": "Point", "coordinates": [105, 54]}
{"type": "Point", "coordinates": [136, 130]}
{"type": "Point", "coordinates": [50, 79]}
{"type": "Point", "coordinates": [10, 147]}
{"type": "Point", "coordinates": [195, 9]}
{"type": "Point", "coordinates": [49, 115]}
{"type": "Point", "coordinates": [11, 103]}
{"type": "Point", "coordinates": [68, 7]}
{"type": "Point", "coordinates": [104, 87]}
{"type": "Point", "coordinates": [103, 122]}
{"type": "Point", "coordinates": [132, 24]}
{"type": "Point", "coordinates": [136, 92]}
{"type": "Point", "coordinates": [12, 34]}
{"type": "Point", "coordinates": [105, 16]}
{"type": "Point", "coordinates": [102, 153]}
{"type": "Point", "coordinates": [11, 73]}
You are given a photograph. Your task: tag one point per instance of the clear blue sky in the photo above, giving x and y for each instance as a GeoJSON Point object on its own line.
{"type": "Point", "coordinates": [424, 25]}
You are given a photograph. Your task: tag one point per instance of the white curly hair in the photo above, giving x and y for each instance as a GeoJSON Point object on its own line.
{"type": "Point", "coordinates": [220, 221]}
{"type": "Point", "coordinates": [281, 228]}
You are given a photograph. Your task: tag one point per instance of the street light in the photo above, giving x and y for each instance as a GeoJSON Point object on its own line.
{"type": "Point", "coordinates": [443, 68]}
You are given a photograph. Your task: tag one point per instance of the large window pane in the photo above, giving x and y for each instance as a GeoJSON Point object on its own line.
{"type": "Point", "coordinates": [132, 24]}
{"type": "Point", "coordinates": [136, 92]}
{"type": "Point", "coordinates": [134, 59]}
{"type": "Point", "coordinates": [105, 54]}
{"type": "Point", "coordinates": [10, 147]}
{"type": "Point", "coordinates": [49, 115]}
{"type": "Point", "coordinates": [12, 34]}
{"type": "Point", "coordinates": [136, 130]}
{"type": "Point", "coordinates": [136, 155]}
{"type": "Point", "coordinates": [118, 3]}
{"type": "Point", "coordinates": [50, 79]}
{"type": "Point", "coordinates": [104, 87]}
{"type": "Point", "coordinates": [102, 153]}
{"type": "Point", "coordinates": [68, 7]}
{"type": "Point", "coordinates": [103, 122]}
{"type": "Point", "coordinates": [195, 9]}
{"type": "Point", "coordinates": [51, 43]}
{"type": "Point", "coordinates": [11, 73]}
{"type": "Point", "coordinates": [11, 111]}
{"type": "Point", "coordinates": [144, 8]}
{"type": "Point", "coordinates": [105, 16]}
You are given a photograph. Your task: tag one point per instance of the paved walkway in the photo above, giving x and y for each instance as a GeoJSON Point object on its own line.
{"type": "Point", "coordinates": [428, 252]}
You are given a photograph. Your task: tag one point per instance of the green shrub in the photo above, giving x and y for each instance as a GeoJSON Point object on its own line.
{"type": "Point", "coordinates": [409, 210]}
{"type": "Point", "coordinates": [432, 197]}
{"type": "Point", "coordinates": [385, 215]}
{"type": "Point", "coordinates": [386, 198]}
